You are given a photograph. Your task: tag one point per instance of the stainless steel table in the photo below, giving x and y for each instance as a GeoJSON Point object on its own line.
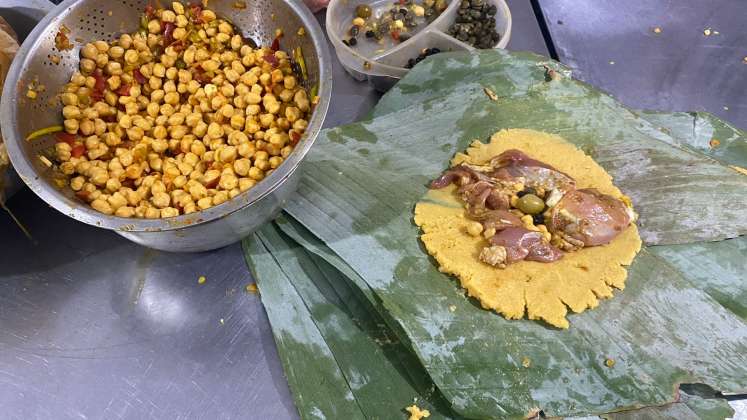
{"type": "Point", "coordinates": [672, 56]}
{"type": "Point", "coordinates": [92, 326]}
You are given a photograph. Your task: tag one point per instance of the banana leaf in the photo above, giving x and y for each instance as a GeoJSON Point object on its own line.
{"type": "Point", "coordinates": [356, 321]}
{"type": "Point", "coordinates": [718, 268]}
{"type": "Point", "coordinates": [340, 359]}
{"type": "Point", "coordinates": [363, 179]}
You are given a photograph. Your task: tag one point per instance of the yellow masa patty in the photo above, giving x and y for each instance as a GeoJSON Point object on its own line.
{"type": "Point", "coordinates": [539, 290]}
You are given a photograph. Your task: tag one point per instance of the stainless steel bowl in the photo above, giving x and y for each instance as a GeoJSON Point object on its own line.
{"type": "Point", "coordinates": [90, 20]}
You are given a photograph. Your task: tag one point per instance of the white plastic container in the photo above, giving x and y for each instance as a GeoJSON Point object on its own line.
{"type": "Point", "coordinates": [384, 68]}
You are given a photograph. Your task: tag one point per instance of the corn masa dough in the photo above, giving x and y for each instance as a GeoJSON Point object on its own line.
{"type": "Point", "coordinates": [542, 291]}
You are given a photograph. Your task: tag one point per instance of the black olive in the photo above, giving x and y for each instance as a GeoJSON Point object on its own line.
{"type": "Point", "coordinates": [354, 30]}
{"type": "Point", "coordinates": [525, 192]}
{"type": "Point", "coordinates": [435, 50]}
{"type": "Point", "coordinates": [352, 42]}
{"type": "Point", "coordinates": [492, 10]}
{"type": "Point", "coordinates": [297, 67]}
{"type": "Point", "coordinates": [404, 37]}
{"type": "Point", "coordinates": [345, 41]}
{"type": "Point", "coordinates": [370, 34]}
{"type": "Point", "coordinates": [538, 219]}
{"type": "Point", "coordinates": [403, 11]}
{"type": "Point", "coordinates": [411, 63]}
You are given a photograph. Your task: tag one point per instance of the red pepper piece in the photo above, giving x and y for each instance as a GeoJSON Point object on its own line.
{"type": "Point", "coordinates": [150, 11]}
{"type": "Point", "coordinates": [198, 73]}
{"type": "Point", "coordinates": [270, 58]}
{"type": "Point", "coordinates": [213, 183]}
{"type": "Point", "coordinates": [124, 90]}
{"type": "Point", "coordinates": [63, 137]}
{"type": "Point", "coordinates": [168, 33]}
{"type": "Point", "coordinates": [83, 195]}
{"type": "Point", "coordinates": [295, 138]}
{"type": "Point", "coordinates": [196, 10]}
{"type": "Point", "coordinates": [275, 44]}
{"type": "Point", "coordinates": [395, 35]}
{"type": "Point", "coordinates": [178, 46]}
{"type": "Point", "coordinates": [98, 88]}
{"type": "Point", "coordinates": [139, 76]}
{"type": "Point", "coordinates": [78, 150]}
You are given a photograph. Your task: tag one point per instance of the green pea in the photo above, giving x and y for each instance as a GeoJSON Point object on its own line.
{"type": "Point", "coordinates": [530, 204]}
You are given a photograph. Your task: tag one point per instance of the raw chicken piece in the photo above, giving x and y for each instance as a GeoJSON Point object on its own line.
{"type": "Point", "coordinates": [513, 164]}
{"type": "Point", "coordinates": [523, 244]}
{"type": "Point", "coordinates": [589, 216]}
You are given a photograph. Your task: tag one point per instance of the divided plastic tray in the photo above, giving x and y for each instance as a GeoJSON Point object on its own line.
{"type": "Point", "coordinates": [383, 68]}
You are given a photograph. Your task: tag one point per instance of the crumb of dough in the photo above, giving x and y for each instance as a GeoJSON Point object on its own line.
{"type": "Point", "coordinates": [201, 280]}
{"type": "Point", "coordinates": [251, 288]}
{"type": "Point", "coordinates": [416, 413]}
{"type": "Point", "coordinates": [739, 169]}
{"type": "Point", "coordinates": [539, 291]}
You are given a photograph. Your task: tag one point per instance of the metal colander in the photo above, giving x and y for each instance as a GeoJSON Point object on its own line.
{"type": "Point", "coordinates": [40, 64]}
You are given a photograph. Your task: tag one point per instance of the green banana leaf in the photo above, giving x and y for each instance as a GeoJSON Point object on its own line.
{"type": "Point", "coordinates": [697, 130]}
{"type": "Point", "coordinates": [357, 323]}
{"type": "Point", "coordinates": [363, 179]}
{"type": "Point", "coordinates": [340, 359]}
{"type": "Point", "coordinates": [717, 267]}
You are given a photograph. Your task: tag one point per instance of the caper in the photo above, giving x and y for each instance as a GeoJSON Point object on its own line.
{"type": "Point", "coordinates": [363, 11]}
{"type": "Point", "coordinates": [530, 204]}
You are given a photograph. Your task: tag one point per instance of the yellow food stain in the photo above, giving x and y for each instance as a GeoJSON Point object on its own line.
{"type": "Point", "coordinates": [251, 288]}
{"type": "Point", "coordinates": [707, 32]}
{"type": "Point", "coordinates": [539, 291]}
{"type": "Point", "coordinates": [416, 413]}
{"type": "Point", "coordinates": [452, 308]}
{"type": "Point", "coordinates": [222, 322]}
{"type": "Point", "coordinates": [657, 30]}
{"type": "Point", "coordinates": [609, 362]}
{"type": "Point", "coordinates": [739, 169]}
{"type": "Point", "coordinates": [714, 143]}
{"type": "Point", "coordinates": [201, 280]}
{"type": "Point", "coordinates": [526, 362]}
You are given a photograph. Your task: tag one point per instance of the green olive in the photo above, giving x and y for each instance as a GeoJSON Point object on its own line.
{"type": "Point", "coordinates": [530, 204]}
{"type": "Point", "coordinates": [363, 11]}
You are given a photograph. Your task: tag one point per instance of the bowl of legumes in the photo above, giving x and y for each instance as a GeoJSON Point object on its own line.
{"type": "Point", "coordinates": [179, 126]}
{"type": "Point", "coordinates": [380, 40]}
